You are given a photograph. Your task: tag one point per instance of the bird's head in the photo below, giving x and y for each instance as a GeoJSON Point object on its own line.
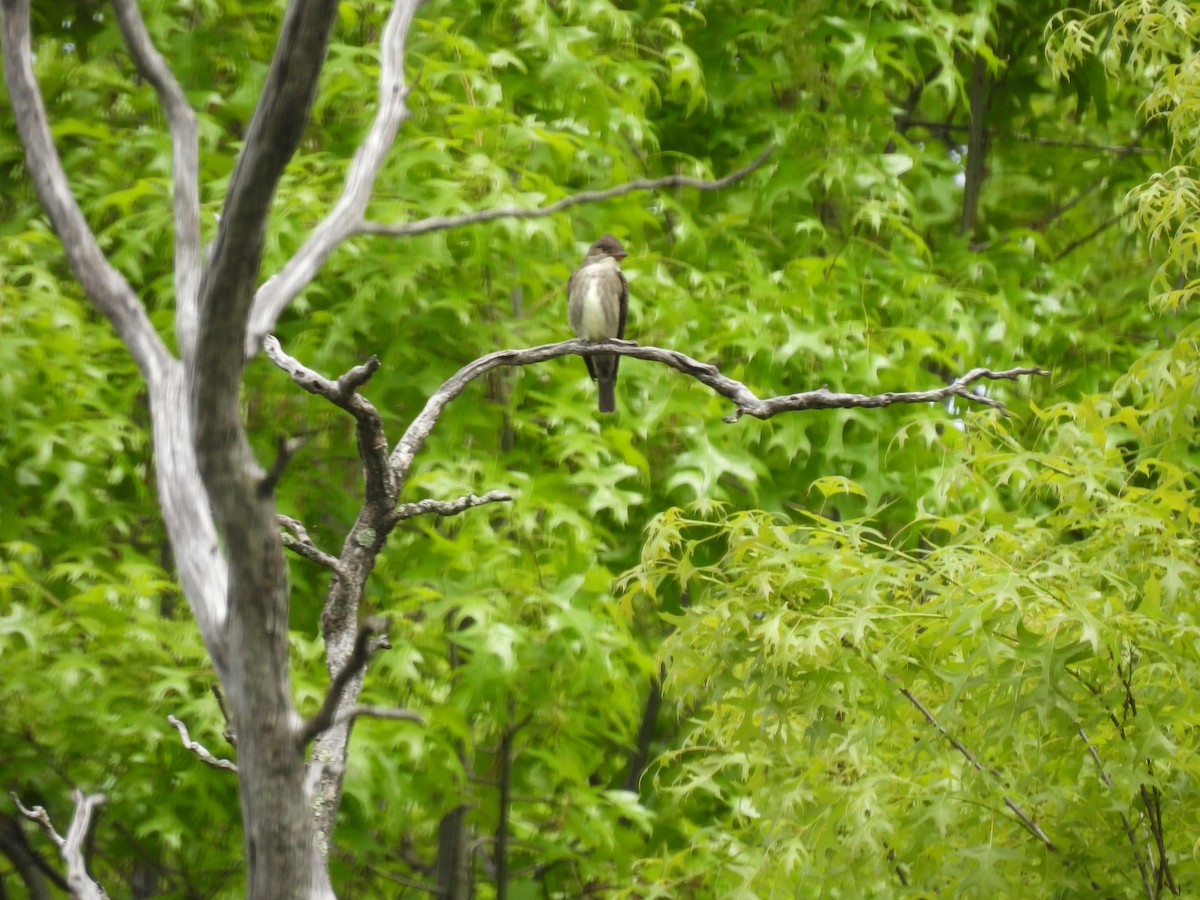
{"type": "Point", "coordinates": [607, 246]}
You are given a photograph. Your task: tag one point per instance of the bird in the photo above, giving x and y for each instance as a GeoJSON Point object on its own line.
{"type": "Point", "coordinates": [597, 304]}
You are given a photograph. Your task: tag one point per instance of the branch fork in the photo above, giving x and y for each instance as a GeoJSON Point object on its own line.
{"type": "Point", "coordinates": [79, 882]}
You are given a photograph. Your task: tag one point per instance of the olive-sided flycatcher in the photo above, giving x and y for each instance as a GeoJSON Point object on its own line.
{"type": "Point", "coordinates": [597, 303]}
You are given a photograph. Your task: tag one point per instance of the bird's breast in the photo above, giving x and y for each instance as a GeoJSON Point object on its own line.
{"type": "Point", "coordinates": [597, 309]}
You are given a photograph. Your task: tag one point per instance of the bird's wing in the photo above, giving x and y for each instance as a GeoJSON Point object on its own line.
{"type": "Point", "coordinates": [624, 305]}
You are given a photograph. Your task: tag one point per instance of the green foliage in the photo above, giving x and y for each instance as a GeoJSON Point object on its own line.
{"type": "Point", "coordinates": [1053, 642]}
{"type": "Point", "coordinates": [96, 643]}
{"type": "Point", "coordinates": [1023, 579]}
{"type": "Point", "coordinates": [1157, 38]}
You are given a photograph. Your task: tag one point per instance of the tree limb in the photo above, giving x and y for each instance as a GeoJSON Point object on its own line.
{"type": "Point", "coordinates": [79, 883]}
{"type": "Point", "coordinates": [1130, 832]}
{"type": "Point", "coordinates": [442, 223]}
{"type": "Point", "coordinates": [1029, 823]}
{"type": "Point", "coordinates": [199, 749]}
{"type": "Point", "coordinates": [340, 393]}
{"type": "Point", "coordinates": [977, 143]}
{"type": "Point", "coordinates": [230, 732]}
{"type": "Point", "coordinates": [185, 164]}
{"type": "Point", "coordinates": [277, 814]}
{"type": "Point", "coordinates": [1120, 149]}
{"type": "Point", "coordinates": [285, 449]}
{"type": "Point", "coordinates": [1094, 233]}
{"type": "Point", "coordinates": [378, 712]}
{"type": "Point", "coordinates": [299, 542]}
{"type": "Point", "coordinates": [746, 403]}
{"type": "Point", "coordinates": [1033, 826]}
{"type": "Point", "coordinates": [185, 505]}
{"type": "Point", "coordinates": [640, 753]}
{"type": "Point", "coordinates": [39, 815]}
{"type": "Point", "coordinates": [343, 393]}
{"type": "Point", "coordinates": [346, 216]}
{"type": "Point", "coordinates": [201, 565]}
{"type": "Point", "coordinates": [448, 508]}
{"type": "Point", "coordinates": [327, 715]}
{"type": "Point", "coordinates": [103, 284]}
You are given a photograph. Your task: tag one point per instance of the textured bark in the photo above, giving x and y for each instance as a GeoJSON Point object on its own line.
{"type": "Point", "coordinates": [280, 849]}
{"type": "Point", "coordinates": [977, 141]}
{"type": "Point", "coordinates": [640, 754]}
{"type": "Point", "coordinates": [453, 859]}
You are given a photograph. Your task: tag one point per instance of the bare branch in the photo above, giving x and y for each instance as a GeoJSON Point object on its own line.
{"type": "Point", "coordinates": [199, 749]}
{"type": "Point", "coordinates": [364, 646]}
{"type": "Point", "coordinates": [1033, 826]}
{"type": "Point", "coordinates": [958, 745]}
{"type": "Point", "coordinates": [378, 712]}
{"type": "Point", "coordinates": [230, 734]}
{"type": "Point", "coordinates": [1152, 801]}
{"type": "Point", "coordinates": [1121, 150]}
{"type": "Point", "coordinates": [1130, 832]}
{"type": "Point", "coordinates": [187, 513]}
{"type": "Point", "coordinates": [448, 508]}
{"type": "Point", "coordinates": [1094, 233]}
{"type": "Point", "coordinates": [346, 216]}
{"type": "Point", "coordinates": [285, 449]}
{"type": "Point", "coordinates": [79, 883]}
{"type": "Point", "coordinates": [301, 543]}
{"type": "Point", "coordinates": [423, 886]}
{"type": "Point", "coordinates": [184, 501]}
{"type": "Point", "coordinates": [372, 443]}
{"type": "Point", "coordinates": [340, 393]}
{"type": "Point", "coordinates": [185, 160]}
{"type": "Point", "coordinates": [103, 284]}
{"type": "Point", "coordinates": [442, 223]}
{"type": "Point", "coordinates": [745, 401]}
{"type": "Point", "coordinates": [39, 815]}
{"type": "Point", "coordinates": [1095, 756]}
{"type": "Point", "coordinates": [941, 729]}
{"type": "Point", "coordinates": [30, 865]}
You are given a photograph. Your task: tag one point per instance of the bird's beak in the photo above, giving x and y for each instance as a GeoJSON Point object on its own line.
{"type": "Point", "coordinates": [619, 255]}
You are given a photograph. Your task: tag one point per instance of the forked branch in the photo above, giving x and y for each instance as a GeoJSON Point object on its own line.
{"type": "Point", "coordinates": [343, 393]}
{"type": "Point", "coordinates": [297, 540]}
{"type": "Point", "coordinates": [79, 882]}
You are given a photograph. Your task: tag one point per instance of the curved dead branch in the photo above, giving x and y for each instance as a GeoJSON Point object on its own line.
{"type": "Point", "coordinates": [745, 401]}
{"type": "Point", "coordinates": [442, 223]}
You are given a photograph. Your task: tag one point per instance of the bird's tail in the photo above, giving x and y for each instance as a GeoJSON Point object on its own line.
{"type": "Point", "coordinates": [604, 369]}
{"type": "Point", "coordinates": [607, 402]}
